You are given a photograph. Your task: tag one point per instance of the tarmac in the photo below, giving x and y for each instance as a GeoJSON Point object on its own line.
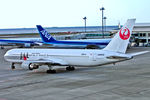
{"type": "Point", "coordinates": [128, 80]}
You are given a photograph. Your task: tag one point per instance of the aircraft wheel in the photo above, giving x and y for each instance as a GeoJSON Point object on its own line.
{"type": "Point", "coordinates": [51, 71]}
{"type": "Point", "coordinates": [70, 68]}
{"type": "Point", "coordinates": [2, 47]}
{"type": "Point", "coordinates": [13, 67]}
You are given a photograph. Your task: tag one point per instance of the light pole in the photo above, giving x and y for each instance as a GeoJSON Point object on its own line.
{"type": "Point", "coordinates": [85, 22]}
{"type": "Point", "coordinates": [105, 23]}
{"type": "Point", "coordinates": [102, 9]}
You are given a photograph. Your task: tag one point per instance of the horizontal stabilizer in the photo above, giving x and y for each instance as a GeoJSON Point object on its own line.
{"type": "Point", "coordinates": [138, 53]}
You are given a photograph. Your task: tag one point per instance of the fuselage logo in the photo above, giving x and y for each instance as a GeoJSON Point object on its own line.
{"type": "Point", "coordinates": [24, 56]}
{"type": "Point", "coordinates": [124, 33]}
{"type": "Point", "coordinates": [45, 34]}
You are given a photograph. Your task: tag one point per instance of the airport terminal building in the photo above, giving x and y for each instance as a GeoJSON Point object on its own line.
{"type": "Point", "coordinates": [141, 33]}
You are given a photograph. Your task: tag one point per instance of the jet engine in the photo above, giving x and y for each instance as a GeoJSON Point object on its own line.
{"type": "Point", "coordinates": [27, 45]}
{"type": "Point", "coordinates": [29, 65]}
{"type": "Point", "coordinates": [92, 47]}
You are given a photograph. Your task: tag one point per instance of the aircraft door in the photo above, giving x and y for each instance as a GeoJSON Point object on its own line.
{"type": "Point", "coordinates": [93, 56]}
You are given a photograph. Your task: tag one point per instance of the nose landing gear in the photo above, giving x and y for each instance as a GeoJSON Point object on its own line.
{"type": "Point", "coordinates": [13, 66]}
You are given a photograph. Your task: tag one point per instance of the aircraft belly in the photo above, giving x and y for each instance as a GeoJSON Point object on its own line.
{"type": "Point", "coordinates": [77, 61]}
{"type": "Point", "coordinates": [83, 61]}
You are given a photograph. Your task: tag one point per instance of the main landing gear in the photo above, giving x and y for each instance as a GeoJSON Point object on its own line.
{"type": "Point", "coordinates": [13, 66]}
{"type": "Point", "coordinates": [51, 70]}
{"type": "Point", "coordinates": [2, 47]}
{"type": "Point", "coordinates": [70, 68]}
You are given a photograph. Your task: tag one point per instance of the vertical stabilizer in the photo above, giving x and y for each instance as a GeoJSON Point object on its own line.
{"type": "Point", "coordinates": [120, 41]}
{"type": "Point", "coordinates": [46, 37]}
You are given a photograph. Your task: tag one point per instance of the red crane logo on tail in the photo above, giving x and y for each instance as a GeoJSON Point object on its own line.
{"type": "Point", "coordinates": [124, 33]}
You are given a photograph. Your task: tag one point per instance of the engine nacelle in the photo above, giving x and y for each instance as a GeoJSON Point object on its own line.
{"type": "Point", "coordinates": [33, 66]}
{"type": "Point", "coordinates": [92, 47]}
{"type": "Point", "coordinates": [27, 45]}
{"type": "Point", "coordinates": [29, 65]}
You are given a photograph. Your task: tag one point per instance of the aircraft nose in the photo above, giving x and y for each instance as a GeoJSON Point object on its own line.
{"type": "Point", "coordinates": [6, 56]}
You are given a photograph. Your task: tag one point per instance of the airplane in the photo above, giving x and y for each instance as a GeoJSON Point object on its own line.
{"type": "Point", "coordinates": [114, 52]}
{"type": "Point", "coordinates": [29, 42]}
{"type": "Point", "coordinates": [85, 43]}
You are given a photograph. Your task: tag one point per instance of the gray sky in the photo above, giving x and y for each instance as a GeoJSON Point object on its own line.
{"type": "Point", "coordinates": [62, 13]}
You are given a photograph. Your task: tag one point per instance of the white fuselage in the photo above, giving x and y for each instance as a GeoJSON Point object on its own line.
{"type": "Point", "coordinates": [80, 57]}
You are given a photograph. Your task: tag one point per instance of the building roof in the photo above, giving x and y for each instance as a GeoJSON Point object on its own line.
{"type": "Point", "coordinates": [142, 25]}
{"type": "Point", "coordinates": [138, 27]}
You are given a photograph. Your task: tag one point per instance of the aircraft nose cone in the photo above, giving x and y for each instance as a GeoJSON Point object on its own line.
{"type": "Point", "coordinates": [6, 56]}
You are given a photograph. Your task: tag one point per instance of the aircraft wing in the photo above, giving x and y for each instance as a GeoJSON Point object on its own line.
{"type": "Point", "coordinates": [26, 43]}
{"type": "Point", "coordinates": [15, 41]}
{"type": "Point", "coordinates": [117, 57]}
{"type": "Point", "coordinates": [129, 56]}
{"type": "Point", "coordinates": [51, 61]}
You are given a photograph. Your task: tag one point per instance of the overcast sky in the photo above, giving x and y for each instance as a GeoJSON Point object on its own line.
{"type": "Point", "coordinates": [63, 13]}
